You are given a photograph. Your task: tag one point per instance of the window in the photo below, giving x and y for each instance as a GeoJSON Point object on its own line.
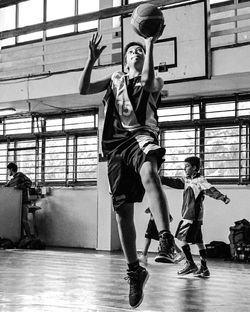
{"type": "Point", "coordinates": [179, 145]}
{"type": "Point", "coordinates": [30, 13]}
{"type": "Point", "coordinates": [218, 137]}
{"type": "Point", "coordinates": [67, 8]}
{"type": "Point", "coordinates": [92, 6]}
{"type": "Point", "coordinates": [52, 149]}
{"type": "Point", "coordinates": [7, 22]}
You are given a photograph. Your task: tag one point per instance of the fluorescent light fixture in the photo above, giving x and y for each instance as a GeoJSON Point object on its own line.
{"type": "Point", "coordinates": [7, 111]}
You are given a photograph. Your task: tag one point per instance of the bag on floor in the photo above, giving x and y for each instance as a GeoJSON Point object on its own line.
{"type": "Point", "coordinates": [6, 243]}
{"type": "Point", "coordinates": [31, 243]}
{"type": "Point", "coordinates": [217, 249]}
{"type": "Point", "coordinates": [240, 232]}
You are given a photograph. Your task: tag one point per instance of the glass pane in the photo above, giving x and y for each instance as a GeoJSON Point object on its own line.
{"type": "Point", "coordinates": [7, 18]}
{"type": "Point", "coordinates": [179, 144]}
{"type": "Point", "coordinates": [214, 110]}
{"type": "Point", "coordinates": [54, 124]}
{"type": "Point", "coordinates": [55, 159]}
{"type": "Point", "coordinates": [71, 159]}
{"type": "Point", "coordinates": [178, 113]}
{"type": "Point", "coordinates": [7, 22]}
{"type": "Point", "coordinates": [79, 122]}
{"type": "Point", "coordinates": [217, 1]}
{"type": "Point", "coordinates": [92, 6]}
{"type": "Point", "coordinates": [222, 152]}
{"type": "Point", "coordinates": [30, 12]}
{"type": "Point", "coordinates": [3, 162]}
{"type": "Point", "coordinates": [20, 125]}
{"type": "Point", "coordinates": [67, 8]}
{"type": "Point", "coordinates": [25, 157]}
{"type": "Point", "coordinates": [86, 158]}
{"type": "Point", "coordinates": [33, 36]}
{"type": "Point", "coordinates": [133, 1]}
{"type": "Point", "coordinates": [117, 19]}
{"type": "Point", "coordinates": [244, 108]}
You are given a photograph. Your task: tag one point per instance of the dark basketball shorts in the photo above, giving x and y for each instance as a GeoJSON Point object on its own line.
{"type": "Point", "coordinates": [151, 231]}
{"type": "Point", "coordinates": [124, 166]}
{"type": "Point", "coordinates": [189, 232]}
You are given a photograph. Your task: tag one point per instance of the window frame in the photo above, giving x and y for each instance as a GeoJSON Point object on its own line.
{"type": "Point", "coordinates": [204, 123]}
{"type": "Point", "coordinates": [39, 148]}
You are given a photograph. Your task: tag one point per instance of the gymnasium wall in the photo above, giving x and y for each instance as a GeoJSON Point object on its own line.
{"type": "Point", "coordinates": [83, 217]}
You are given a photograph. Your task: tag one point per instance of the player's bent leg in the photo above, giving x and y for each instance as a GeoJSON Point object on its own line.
{"type": "Point", "coordinates": [159, 208]}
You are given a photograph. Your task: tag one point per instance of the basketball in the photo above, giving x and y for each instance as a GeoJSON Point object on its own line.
{"type": "Point", "coordinates": [147, 20]}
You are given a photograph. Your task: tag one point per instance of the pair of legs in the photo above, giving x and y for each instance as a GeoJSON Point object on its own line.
{"type": "Point", "coordinates": [25, 222]}
{"type": "Point", "coordinates": [191, 267]}
{"type": "Point", "coordinates": [157, 203]}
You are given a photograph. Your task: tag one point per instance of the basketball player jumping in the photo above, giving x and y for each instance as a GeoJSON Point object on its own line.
{"type": "Point", "coordinates": [130, 142]}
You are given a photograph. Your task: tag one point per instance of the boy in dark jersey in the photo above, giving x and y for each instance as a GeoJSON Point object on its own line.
{"type": "Point", "coordinates": [189, 229]}
{"type": "Point", "coordinates": [20, 181]}
{"type": "Point", "coordinates": [130, 142]}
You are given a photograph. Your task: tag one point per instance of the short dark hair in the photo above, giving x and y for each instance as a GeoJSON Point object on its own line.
{"type": "Point", "coordinates": [194, 161]}
{"type": "Point", "coordinates": [130, 44]}
{"type": "Point", "coordinates": [12, 166]}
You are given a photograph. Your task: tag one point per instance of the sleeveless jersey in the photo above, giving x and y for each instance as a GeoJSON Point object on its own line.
{"type": "Point", "coordinates": [129, 110]}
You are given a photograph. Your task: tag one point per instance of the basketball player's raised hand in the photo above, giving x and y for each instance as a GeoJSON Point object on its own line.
{"type": "Point", "coordinates": [159, 33]}
{"type": "Point", "coordinates": [94, 49]}
{"type": "Point", "coordinates": [154, 38]}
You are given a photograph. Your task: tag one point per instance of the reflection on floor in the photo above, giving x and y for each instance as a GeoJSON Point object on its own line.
{"type": "Point", "coordinates": [66, 280]}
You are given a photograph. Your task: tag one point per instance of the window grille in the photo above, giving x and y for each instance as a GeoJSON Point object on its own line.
{"type": "Point", "coordinates": [52, 149]}
{"type": "Point", "coordinates": [220, 137]}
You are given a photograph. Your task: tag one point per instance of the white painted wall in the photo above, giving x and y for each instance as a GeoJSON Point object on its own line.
{"type": "Point", "coordinates": [10, 213]}
{"type": "Point", "coordinates": [69, 217]}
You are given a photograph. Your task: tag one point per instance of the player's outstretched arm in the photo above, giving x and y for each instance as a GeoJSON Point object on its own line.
{"type": "Point", "coordinates": [85, 86]}
{"type": "Point", "coordinates": [148, 79]}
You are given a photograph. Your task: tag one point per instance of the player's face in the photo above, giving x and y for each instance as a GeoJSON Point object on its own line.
{"type": "Point", "coordinates": [10, 172]}
{"type": "Point", "coordinates": [135, 56]}
{"type": "Point", "coordinates": [189, 169]}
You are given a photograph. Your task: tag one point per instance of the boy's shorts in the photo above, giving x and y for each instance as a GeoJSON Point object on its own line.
{"type": "Point", "coordinates": [124, 166]}
{"type": "Point", "coordinates": [151, 231]}
{"type": "Point", "coordinates": [189, 232]}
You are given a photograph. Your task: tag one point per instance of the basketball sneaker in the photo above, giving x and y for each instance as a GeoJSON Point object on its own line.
{"type": "Point", "coordinates": [166, 250]}
{"type": "Point", "coordinates": [202, 272]}
{"type": "Point", "coordinates": [190, 267]}
{"type": "Point", "coordinates": [137, 280]}
{"type": "Point", "coordinates": [143, 259]}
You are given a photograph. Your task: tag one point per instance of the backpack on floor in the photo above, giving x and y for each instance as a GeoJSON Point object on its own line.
{"type": "Point", "coordinates": [31, 243]}
{"type": "Point", "coordinates": [240, 232]}
{"type": "Point", "coordinates": [217, 249]}
{"type": "Point", "coordinates": [6, 243]}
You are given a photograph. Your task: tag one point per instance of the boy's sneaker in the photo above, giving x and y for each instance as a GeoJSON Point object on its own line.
{"type": "Point", "coordinates": [166, 250]}
{"type": "Point", "coordinates": [137, 280]}
{"type": "Point", "coordinates": [179, 256]}
{"type": "Point", "coordinates": [188, 268]}
{"type": "Point", "coordinates": [202, 272]}
{"type": "Point", "coordinates": [143, 259]}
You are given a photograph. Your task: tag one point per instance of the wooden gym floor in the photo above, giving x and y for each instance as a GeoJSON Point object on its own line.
{"type": "Point", "coordinates": [80, 280]}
